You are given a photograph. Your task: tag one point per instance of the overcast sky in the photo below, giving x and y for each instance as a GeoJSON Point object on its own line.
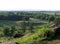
{"type": "Point", "coordinates": [29, 5]}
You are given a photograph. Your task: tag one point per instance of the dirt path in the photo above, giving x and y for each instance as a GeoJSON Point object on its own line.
{"type": "Point", "coordinates": [54, 42]}
{"type": "Point", "coordinates": [9, 42]}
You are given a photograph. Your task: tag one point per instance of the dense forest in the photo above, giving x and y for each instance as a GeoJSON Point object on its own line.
{"type": "Point", "coordinates": [28, 27]}
{"type": "Point", "coordinates": [19, 15]}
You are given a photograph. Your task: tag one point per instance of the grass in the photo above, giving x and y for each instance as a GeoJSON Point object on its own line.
{"type": "Point", "coordinates": [3, 39]}
{"type": "Point", "coordinates": [35, 38]}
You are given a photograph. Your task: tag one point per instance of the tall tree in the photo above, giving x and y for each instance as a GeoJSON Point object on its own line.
{"type": "Point", "coordinates": [31, 26]}
{"type": "Point", "coordinates": [23, 24]}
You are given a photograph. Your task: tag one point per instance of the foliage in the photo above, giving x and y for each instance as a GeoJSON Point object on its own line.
{"type": "Point", "coordinates": [9, 31]}
{"type": "Point", "coordinates": [23, 25]}
{"type": "Point", "coordinates": [15, 18]}
{"type": "Point", "coordinates": [36, 38]}
{"type": "Point", "coordinates": [57, 21]}
{"type": "Point", "coordinates": [31, 28]}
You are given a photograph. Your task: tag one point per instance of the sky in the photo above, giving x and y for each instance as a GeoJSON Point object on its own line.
{"type": "Point", "coordinates": [29, 5]}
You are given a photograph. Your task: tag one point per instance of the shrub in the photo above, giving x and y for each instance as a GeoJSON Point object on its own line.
{"type": "Point", "coordinates": [9, 32]}
{"type": "Point", "coordinates": [47, 32]}
{"type": "Point", "coordinates": [41, 34]}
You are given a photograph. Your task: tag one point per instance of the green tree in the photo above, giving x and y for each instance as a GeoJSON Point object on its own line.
{"type": "Point", "coordinates": [6, 31]}
{"type": "Point", "coordinates": [12, 30]}
{"type": "Point", "coordinates": [57, 21]}
{"type": "Point", "coordinates": [9, 32]}
{"type": "Point", "coordinates": [23, 25]}
{"type": "Point", "coordinates": [31, 28]}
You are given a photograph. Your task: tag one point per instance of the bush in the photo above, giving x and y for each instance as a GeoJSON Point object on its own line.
{"type": "Point", "coordinates": [9, 32]}
{"type": "Point", "coordinates": [47, 32]}
{"type": "Point", "coordinates": [41, 34]}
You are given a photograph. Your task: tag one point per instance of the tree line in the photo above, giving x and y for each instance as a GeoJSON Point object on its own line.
{"type": "Point", "coordinates": [19, 15]}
